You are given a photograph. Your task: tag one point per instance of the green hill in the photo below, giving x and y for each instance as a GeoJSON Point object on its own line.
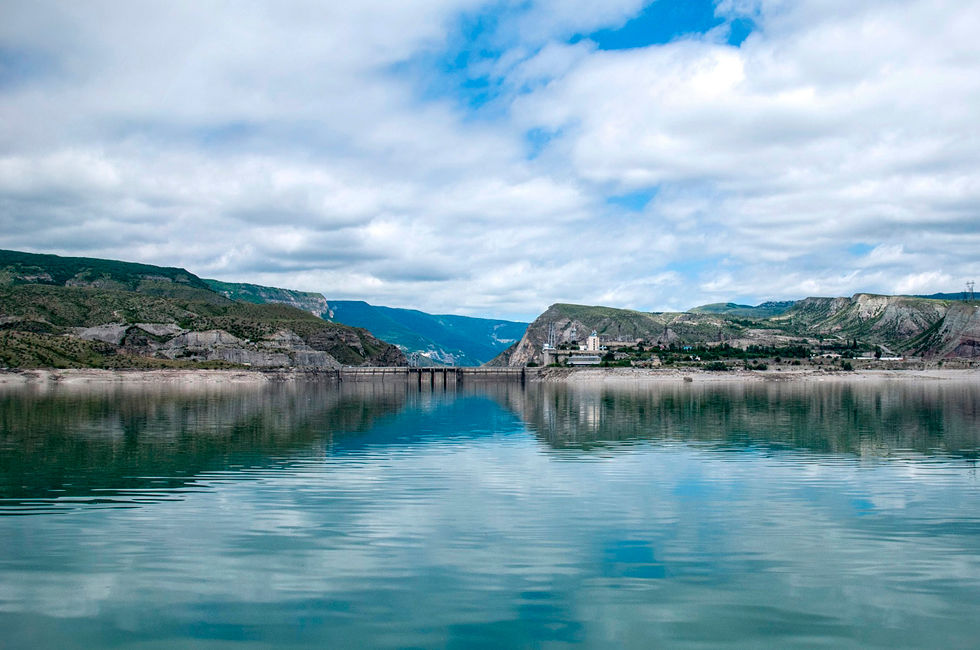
{"type": "Point", "coordinates": [82, 312]}
{"type": "Point", "coordinates": [33, 268]}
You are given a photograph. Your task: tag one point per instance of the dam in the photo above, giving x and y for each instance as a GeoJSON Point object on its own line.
{"type": "Point", "coordinates": [434, 377]}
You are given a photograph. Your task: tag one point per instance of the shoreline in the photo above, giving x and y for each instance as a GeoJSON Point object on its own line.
{"type": "Point", "coordinates": [163, 376]}
{"type": "Point", "coordinates": [185, 377]}
{"type": "Point", "coordinates": [793, 374]}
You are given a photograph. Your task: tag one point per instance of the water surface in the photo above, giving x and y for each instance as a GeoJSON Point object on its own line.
{"type": "Point", "coordinates": [375, 515]}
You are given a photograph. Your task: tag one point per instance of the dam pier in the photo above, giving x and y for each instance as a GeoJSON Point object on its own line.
{"type": "Point", "coordinates": [433, 377]}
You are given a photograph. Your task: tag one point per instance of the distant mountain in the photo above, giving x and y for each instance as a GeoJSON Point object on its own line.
{"type": "Point", "coordinates": [443, 339]}
{"type": "Point", "coordinates": [765, 310]}
{"type": "Point", "coordinates": [959, 295]}
{"type": "Point", "coordinates": [85, 312]}
{"type": "Point", "coordinates": [910, 325]}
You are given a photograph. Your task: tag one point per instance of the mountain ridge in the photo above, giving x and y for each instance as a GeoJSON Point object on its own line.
{"type": "Point", "coordinates": [924, 327]}
{"type": "Point", "coordinates": [83, 312]}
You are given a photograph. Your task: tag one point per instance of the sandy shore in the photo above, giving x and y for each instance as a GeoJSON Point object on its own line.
{"type": "Point", "coordinates": [793, 374]}
{"type": "Point", "coordinates": [78, 377]}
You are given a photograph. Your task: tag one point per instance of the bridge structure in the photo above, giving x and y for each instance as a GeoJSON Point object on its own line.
{"type": "Point", "coordinates": [433, 376]}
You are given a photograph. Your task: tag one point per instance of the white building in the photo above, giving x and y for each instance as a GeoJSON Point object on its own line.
{"type": "Point", "coordinates": [592, 343]}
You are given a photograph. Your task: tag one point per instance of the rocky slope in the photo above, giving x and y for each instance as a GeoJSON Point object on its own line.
{"type": "Point", "coordinates": [78, 312]}
{"type": "Point", "coordinates": [892, 320]}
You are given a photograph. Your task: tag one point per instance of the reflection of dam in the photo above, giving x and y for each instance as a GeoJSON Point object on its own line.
{"type": "Point", "coordinates": [433, 377]}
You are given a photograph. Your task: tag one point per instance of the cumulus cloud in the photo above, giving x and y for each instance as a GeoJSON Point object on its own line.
{"type": "Point", "coordinates": [332, 148]}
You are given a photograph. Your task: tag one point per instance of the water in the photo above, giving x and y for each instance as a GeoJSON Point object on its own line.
{"type": "Point", "coordinates": [370, 515]}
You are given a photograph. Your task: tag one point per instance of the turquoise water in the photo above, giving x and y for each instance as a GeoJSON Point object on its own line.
{"type": "Point", "coordinates": [370, 515]}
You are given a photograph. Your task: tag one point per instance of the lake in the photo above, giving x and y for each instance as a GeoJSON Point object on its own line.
{"type": "Point", "coordinates": [378, 515]}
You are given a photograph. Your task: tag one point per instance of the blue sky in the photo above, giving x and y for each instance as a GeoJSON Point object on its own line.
{"type": "Point", "coordinates": [491, 158]}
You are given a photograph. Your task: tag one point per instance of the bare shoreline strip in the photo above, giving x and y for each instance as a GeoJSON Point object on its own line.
{"type": "Point", "coordinates": [93, 376]}
{"type": "Point", "coordinates": [644, 375]}
{"type": "Point", "coordinates": [81, 376]}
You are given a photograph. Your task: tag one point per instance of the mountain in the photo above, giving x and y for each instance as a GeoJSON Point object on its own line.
{"type": "Point", "coordinates": [573, 323]}
{"type": "Point", "coordinates": [83, 312]}
{"type": "Point", "coordinates": [443, 339]}
{"type": "Point", "coordinates": [933, 329]}
{"type": "Point", "coordinates": [959, 295]}
{"type": "Point", "coordinates": [903, 324]}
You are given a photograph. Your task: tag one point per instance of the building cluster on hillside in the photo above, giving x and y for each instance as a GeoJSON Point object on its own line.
{"type": "Point", "coordinates": [597, 350]}
{"type": "Point", "coordinates": [589, 353]}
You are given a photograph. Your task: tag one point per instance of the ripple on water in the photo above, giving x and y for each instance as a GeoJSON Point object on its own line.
{"type": "Point", "coordinates": [376, 516]}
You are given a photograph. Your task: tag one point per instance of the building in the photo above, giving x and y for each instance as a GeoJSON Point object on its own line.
{"type": "Point", "coordinates": [592, 343]}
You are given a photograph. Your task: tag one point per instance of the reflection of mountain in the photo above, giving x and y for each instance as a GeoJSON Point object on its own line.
{"type": "Point", "coordinates": [875, 420]}
{"type": "Point", "coordinates": [146, 443]}
{"type": "Point", "coordinates": [139, 445]}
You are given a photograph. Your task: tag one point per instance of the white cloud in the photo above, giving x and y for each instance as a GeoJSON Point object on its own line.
{"type": "Point", "coordinates": [295, 145]}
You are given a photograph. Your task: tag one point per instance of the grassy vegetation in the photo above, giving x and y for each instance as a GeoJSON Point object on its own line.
{"type": "Point", "coordinates": [260, 295]}
{"type": "Point", "coordinates": [85, 307]}
{"type": "Point", "coordinates": [53, 269]}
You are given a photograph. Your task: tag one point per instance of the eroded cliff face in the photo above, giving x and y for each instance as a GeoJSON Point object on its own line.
{"type": "Point", "coordinates": [957, 336]}
{"type": "Point", "coordinates": [282, 349]}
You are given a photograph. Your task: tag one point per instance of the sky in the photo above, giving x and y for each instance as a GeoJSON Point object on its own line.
{"type": "Point", "coordinates": [492, 158]}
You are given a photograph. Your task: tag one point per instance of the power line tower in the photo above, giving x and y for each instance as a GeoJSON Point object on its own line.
{"type": "Point", "coordinates": [968, 294]}
{"type": "Point", "coordinates": [552, 336]}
